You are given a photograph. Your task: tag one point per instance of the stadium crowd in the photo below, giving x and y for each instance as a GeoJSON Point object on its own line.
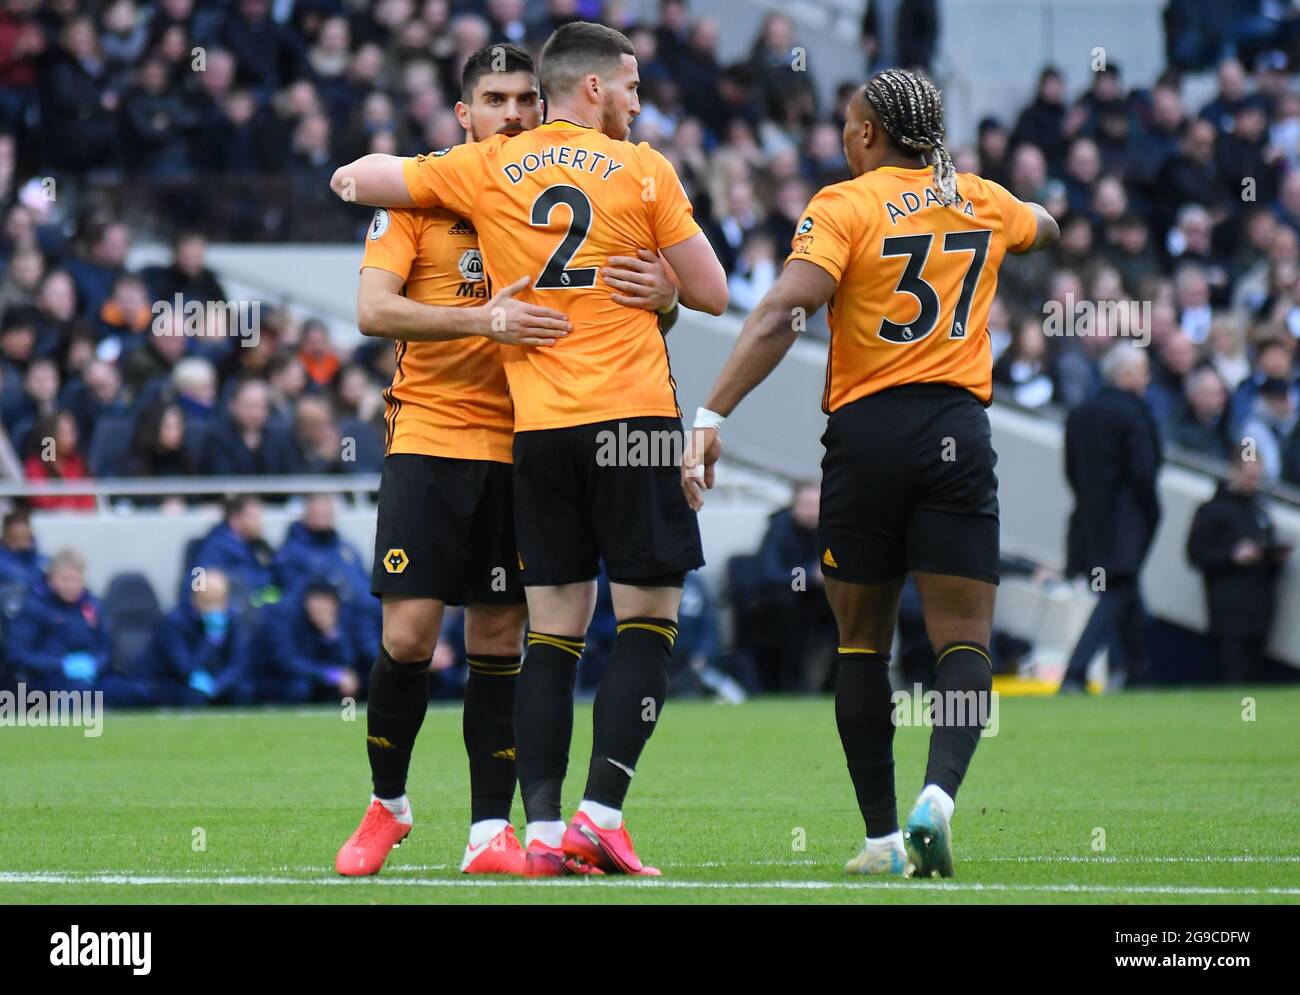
{"type": "Point", "coordinates": [128, 121]}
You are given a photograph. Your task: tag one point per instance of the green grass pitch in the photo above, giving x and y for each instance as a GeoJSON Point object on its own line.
{"type": "Point", "coordinates": [1140, 798]}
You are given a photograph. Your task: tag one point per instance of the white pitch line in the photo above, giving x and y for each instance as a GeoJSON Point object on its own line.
{"type": "Point", "coordinates": [18, 877]}
{"type": "Point", "coordinates": [1078, 859]}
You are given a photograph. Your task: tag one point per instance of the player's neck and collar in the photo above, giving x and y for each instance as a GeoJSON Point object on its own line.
{"type": "Point", "coordinates": [571, 117]}
{"type": "Point", "coordinates": [902, 165]}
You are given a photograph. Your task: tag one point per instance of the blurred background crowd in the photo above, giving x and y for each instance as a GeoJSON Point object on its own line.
{"type": "Point", "coordinates": [127, 121]}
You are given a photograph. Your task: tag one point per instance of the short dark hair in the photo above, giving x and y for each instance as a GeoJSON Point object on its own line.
{"type": "Point", "coordinates": [237, 504]}
{"type": "Point", "coordinates": [579, 48]}
{"type": "Point", "coordinates": [499, 57]}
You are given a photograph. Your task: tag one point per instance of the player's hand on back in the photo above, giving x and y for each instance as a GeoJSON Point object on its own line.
{"type": "Point", "coordinates": [640, 281]}
{"type": "Point", "coordinates": [703, 449]}
{"type": "Point", "coordinates": [515, 322]}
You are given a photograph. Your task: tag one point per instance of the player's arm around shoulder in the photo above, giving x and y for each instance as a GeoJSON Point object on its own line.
{"type": "Point", "coordinates": [376, 180]}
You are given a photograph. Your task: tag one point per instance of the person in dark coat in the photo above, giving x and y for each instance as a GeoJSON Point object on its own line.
{"type": "Point", "coordinates": [1199, 426]}
{"type": "Point", "coordinates": [187, 275]}
{"type": "Point", "coordinates": [310, 647]}
{"type": "Point", "coordinates": [244, 443]}
{"type": "Point", "coordinates": [906, 39]}
{"type": "Point", "coordinates": [200, 653]}
{"type": "Point", "coordinates": [1112, 457]}
{"type": "Point", "coordinates": [314, 548]}
{"type": "Point", "coordinates": [21, 564]}
{"type": "Point", "coordinates": [789, 565]}
{"type": "Point", "coordinates": [58, 641]}
{"type": "Point", "coordinates": [237, 548]}
{"type": "Point", "coordinates": [1233, 544]}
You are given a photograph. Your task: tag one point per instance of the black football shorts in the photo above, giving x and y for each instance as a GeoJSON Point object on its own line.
{"type": "Point", "coordinates": [908, 484]}
{"type": "Point", "coordinates": [445, 530]}
{"type": "Point", "coordinates": [610, 490]}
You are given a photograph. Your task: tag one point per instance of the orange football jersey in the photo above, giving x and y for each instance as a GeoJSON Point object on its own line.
{"type": "Point", "coordinates": [554, 204]}
{"type": "Point", "coordinates": [447, 398]}
{"type": "Point", "coordinates": [915, 279]}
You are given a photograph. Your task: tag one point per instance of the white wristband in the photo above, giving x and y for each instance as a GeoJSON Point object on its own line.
{"type": "Point", "coordinates": [668, 310]}
{"type": "Point", "coordinates": [704, 418]}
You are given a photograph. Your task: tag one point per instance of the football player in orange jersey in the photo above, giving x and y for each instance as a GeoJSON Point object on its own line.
{"type": "Point", "coordinates": [552, 204]}
{"type": "Point", "coordinates": [906, 254]}
{"type": "Point", "coordinates": [445, 533]}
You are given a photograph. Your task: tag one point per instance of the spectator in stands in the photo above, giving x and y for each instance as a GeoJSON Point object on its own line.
{"type": "Point", "coordinates": [21, 565]}
{"type": "Point", "coordinates": [314, 548]}
{"type": "Point", "coordinates": [1233, 543]}
{"type": "Point", "coordinates": [101, 259]}
{"type": "Point", "coordinates": [318, 447]}
{"type": "Point", "coordinates": [150, 363]}
{"type": "Point", "coordinates": [1226, 352]}
{"type": "Point", "coordinates": [1112, 456]}
{"type": "Point", "coordinates": [95, 395]}
{"type": "Point", "coordinates": [1191, 176]}
{"type": "Point", "coordinates": [200, 653]}
{"type": "Point", "coordinates": [1272, 360]}
{"type": "Point", "coordinates": [1078, 371]}
{"type": "Point", "coordinates": [286, 380]}
{"type": "Point", "coordinates": [307, 646]}
{"type": "Point", "coordinates": [1023, 366]}
{"type": "Point", "coordinates": [1041, 125]}
{"type": "Point", "coordinates": [789, 564]}
{"type": "Point", "coordinates": [39, 397]}
{"type": "Point", "coordinates": [360, 404]}
{"type": "Point", "coordinates": [187, 274]}
{"type": "Point", "coordinates": [22, 42]}
{"type": "Point", "coordinates": [755, 270]}
{"type": "Point", "coordinates": [155, 121]}
{"type": "Point", "coordinates": [243, 443]}
{"type": "Point", "coordinates": [1129, 250]}
{"type": "Point", "coordinates": [237, 547]}
{"type": "Point", "coordinates": [53, 454]}
{"type": "Point", "coordinates": [56, 307]}
{"type": "Point", "coordinates": [126, 315]}
{"type": "Point", "coordinates": [317, 356]}
{"type": "Point", "coordinates": [78, 105]}
{"type": "Point", "coordinates": [1175, 359]}
{"type": "Point", "coordinates": [902, 34]}
{"type": "Point", "coordinates": [1269, 430]}
{"type": "Point", "coordinates": [194, 383]}
{"type": "Point", "coordinates": [734, 225]}
{"type": "Point", "coordinates": [22, 278]}
{"type": "Point", "coordinates": [17, 345]}
{"type": "Point", "coordinates": [159, 449]}
{"type": "Point", "coordinates": [1200, 426]}
{"type": "Point", "coordinates": [57, 641]}
{"type": "Point", "coordinates": [268, 54]}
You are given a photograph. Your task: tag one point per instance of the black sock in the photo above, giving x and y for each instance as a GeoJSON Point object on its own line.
{"type": "Point", "coordinates": [964, 680]}
{"type": "Point", "coordinates": [628, 703]}
{"type": "Point", "coordinates": [864, 714]}
{"type": "Point", "coordinates": [544, 721]}
{"type": "Point", "coordinates": [399, 696]}
{"type": "Point", "coordinates": [488, 725]}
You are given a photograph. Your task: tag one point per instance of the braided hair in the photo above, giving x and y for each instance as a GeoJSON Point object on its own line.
{"type": "Point", "coordinates": [910, 109]}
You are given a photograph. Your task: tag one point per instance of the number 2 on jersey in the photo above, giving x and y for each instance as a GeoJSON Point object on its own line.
{"type": "Point", "coordinates": [917, 249]}
{"type": "Point", "coordinates": [555, 276]}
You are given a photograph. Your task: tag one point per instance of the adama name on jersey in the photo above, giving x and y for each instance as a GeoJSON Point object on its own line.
{"type": "Point", "coordinates": [912, 202]}
{"type": "Point", "coordinates": [561, 155]}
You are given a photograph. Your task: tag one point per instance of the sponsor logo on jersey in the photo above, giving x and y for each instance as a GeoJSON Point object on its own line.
{"type": "Point", "coordinates": [471, 265]}
{"type": "Point", "coordinates": [378, 224]}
